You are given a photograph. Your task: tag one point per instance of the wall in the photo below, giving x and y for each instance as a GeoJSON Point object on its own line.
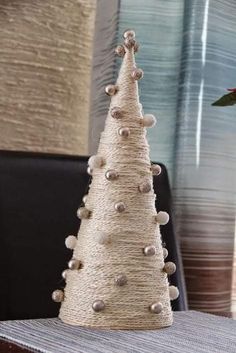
{"type": "Point", "coordinates": [45, 66]}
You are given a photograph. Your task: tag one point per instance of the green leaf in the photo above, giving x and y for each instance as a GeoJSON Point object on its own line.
{"type": "Point", "coordinates": [227, 99]}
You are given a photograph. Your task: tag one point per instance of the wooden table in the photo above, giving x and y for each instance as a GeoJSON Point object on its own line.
{"type": "Point", "coordinates": [7, 346]}
{"type": "Point", "coordinates": [10, 347]}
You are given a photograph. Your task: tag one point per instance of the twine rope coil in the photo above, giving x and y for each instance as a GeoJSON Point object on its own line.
{"type": "Point", "coordinates": [129, 232]}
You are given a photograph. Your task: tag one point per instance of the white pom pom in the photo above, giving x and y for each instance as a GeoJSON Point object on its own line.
{"type": "Point", "coordinates": [64, 274]}
{"type": "Point", "coordinates": [148, 120]}
{"type": "Point", "coordinates": [141, 108]}
{"type": "Point", "coordinates": [162, 218]}
{"type": "Point", "coordinates": [71, 242]}
{"type": "Point", "coordinates": [165, 253]}
{"type": "Point", "coordinates": [156, 169]}
{"type": "Point", "coordinates": [95, 162]}
{"type": "Point", "coordinates": [173, 292]}
{"type": "Point", "coordinates": [104, 238]}
{"type": "Point", "coordinates": [90, 171]}
{"type": "Point", "coordinates": [85, 198]}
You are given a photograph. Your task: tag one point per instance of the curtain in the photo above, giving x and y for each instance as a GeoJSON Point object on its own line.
{"type": "Point", "coordinates": [188, 55]}
{"type": "Point", "coordinates": [204, 180]}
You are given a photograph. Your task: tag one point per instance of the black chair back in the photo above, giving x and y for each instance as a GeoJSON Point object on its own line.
{"type": "Point", "coordinates": [39, 197]}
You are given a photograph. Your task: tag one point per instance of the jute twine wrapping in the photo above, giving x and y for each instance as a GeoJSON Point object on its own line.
{"type": "Point", "coordinates": [126, 307]}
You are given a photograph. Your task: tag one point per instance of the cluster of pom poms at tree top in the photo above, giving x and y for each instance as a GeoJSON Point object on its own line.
{"type": "Point", "coordinates": [111, 175]}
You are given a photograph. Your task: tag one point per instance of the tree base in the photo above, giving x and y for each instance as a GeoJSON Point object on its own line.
{"type": "Point", "coordinates": [120, 324]}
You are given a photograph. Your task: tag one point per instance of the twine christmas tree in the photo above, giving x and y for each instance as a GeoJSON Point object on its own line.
{"type": "Point", "coordinates": [117, 277]}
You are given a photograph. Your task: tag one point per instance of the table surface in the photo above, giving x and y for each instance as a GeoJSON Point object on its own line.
{"type": "Point", "coordinates": [191, 332]}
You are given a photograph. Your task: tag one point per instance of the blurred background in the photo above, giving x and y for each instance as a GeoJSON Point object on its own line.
{"type": "Point", "coordinates": [56, 58]}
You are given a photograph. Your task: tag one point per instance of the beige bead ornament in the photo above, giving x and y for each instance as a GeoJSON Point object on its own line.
{"type": "Point", "coordinates": [120, 207]}
{"type": "Point", "coordinates": [137, 74]}
{"type": "Point", "coordinates": [129, 33]}
{"type": "Point", "coordinates": [83, 213]}
{"type": "Point", "coordinates": [120, 51]}
{"type": "Point", "coordinates": [98, 305]}
{"type": "Point", "coordinates": [116, 112]}
{"type": "Point", "coordinates": [149, 250]}
{"type": "Point", "coordinates": [70, 242]}
{"type": "Point", "coordinates": [111, 90]}
{"type": "Point", "coordinates": [74, 264]}
{"type": "Point", "coordinates": [173, 292]}
{"type": "Point", "coordinates": [169, 268]}
{"type": "Point", "coordinates": [124, 132]}
{"type": "Point", "coordinates": [162, 218]}
{"type": "Point", "coordinates": [145, 187]}
{"type": "Point", "coordinates": [111, 174]}
{"type": "Point", "coordinates": [156, 308]}
{"type": "Point", "coordinates": [129, 43]}
{"type": "Point", "coordinates": [58, 296]}
{"type": "Point", "coordinates": [121, 280]}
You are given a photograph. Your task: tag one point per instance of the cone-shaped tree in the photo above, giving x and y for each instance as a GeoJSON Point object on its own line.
{"type": "Point", "coordinates": [117, 277]}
